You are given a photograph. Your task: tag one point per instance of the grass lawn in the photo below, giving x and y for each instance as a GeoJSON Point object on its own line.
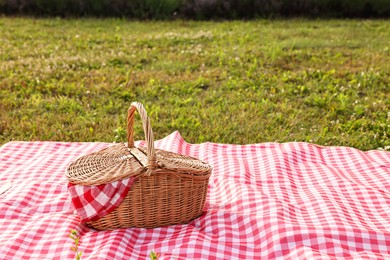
{"type": "Point", "coordinates": [320, 81]}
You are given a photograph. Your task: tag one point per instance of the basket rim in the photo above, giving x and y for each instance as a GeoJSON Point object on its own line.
{"type": "Point", "coordinates": [163, 166]}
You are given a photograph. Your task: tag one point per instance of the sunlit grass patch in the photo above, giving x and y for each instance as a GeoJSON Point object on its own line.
{"type": "Point", "coordinates": [321, 81]}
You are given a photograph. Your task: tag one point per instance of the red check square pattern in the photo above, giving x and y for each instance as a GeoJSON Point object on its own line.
{"type": "Point", "coordinates": [265, 201]}
{"type": "Point", "coordinates": [94, 202]}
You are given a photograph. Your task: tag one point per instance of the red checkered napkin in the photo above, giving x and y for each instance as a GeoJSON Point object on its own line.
{"type": "Point", "coordinates": [94, 202]}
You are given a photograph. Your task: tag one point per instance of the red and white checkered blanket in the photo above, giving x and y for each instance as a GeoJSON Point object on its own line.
{"type": "Point", "coordinates": [265, 201]}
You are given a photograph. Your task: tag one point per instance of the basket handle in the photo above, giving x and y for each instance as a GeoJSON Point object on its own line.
{"type": "Point", "coordinates": [151, 153]}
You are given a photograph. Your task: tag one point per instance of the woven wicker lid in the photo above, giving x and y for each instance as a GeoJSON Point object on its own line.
{"type": "Point", "coordinates": [119, 161]}
{"type": "Point", "coordinates": [108, 165]}
{"type": "Point", "coordinates": [179, 163]}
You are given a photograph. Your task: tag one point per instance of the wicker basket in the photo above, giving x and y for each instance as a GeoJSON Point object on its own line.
{"type": "Point", "coordinates": [169, 188]}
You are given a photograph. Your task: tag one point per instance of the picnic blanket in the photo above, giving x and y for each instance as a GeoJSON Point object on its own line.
{"type": "Point", "coordinates": [265, 201]}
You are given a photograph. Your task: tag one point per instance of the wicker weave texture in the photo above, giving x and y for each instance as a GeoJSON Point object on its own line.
{"type": "Point", "coordinates": [160, 200]}
{"type": "Point", "coordinates": [108, 165]}
{"type": "Point", "coordinates": [169, 189]}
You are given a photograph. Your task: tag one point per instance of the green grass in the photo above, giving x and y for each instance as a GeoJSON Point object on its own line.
{"type": "Point", "coordinates": [320, 81]}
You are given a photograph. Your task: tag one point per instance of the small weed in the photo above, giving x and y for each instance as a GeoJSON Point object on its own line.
{"type": "Point", "coordinates": [74, 235]}
{"type": "Point", "coordinates": [154, 256]}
